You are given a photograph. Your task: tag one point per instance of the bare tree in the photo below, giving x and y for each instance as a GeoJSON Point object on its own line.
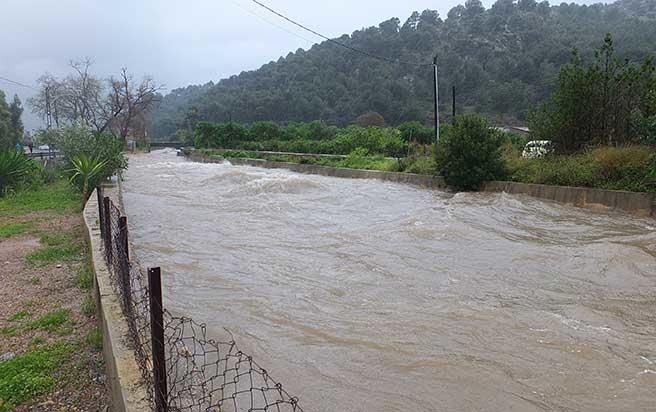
{"type": "Point", "coordinates": [118, 104]}
{"type": "Point", "coordinates": [134, 99]}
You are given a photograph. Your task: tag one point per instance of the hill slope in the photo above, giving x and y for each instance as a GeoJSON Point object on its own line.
{"type": "Point", "coordinates": [502, 61]}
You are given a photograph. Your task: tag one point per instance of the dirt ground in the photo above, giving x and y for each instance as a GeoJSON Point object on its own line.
{"type": "Point", "coordinates": [44, 301]}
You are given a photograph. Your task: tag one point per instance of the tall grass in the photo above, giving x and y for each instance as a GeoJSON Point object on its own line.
{"type": "Point", "coordinates": [630, 168]}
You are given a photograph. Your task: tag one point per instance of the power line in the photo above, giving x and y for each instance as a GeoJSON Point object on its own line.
{"type": "Point", "coordinates": [272, 23]}
{"type": "Point", "coordinates": [16, 83]}
{"type": "Point", "coordinates": [353, 49]}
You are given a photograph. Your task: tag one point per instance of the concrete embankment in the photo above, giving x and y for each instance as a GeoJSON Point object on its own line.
{"type": "Point", "coordinates": [433, 182]}
{"type": "Point", "coordinates": [123, 375]}
{"type": "Point", "coordinates": [640, 204]}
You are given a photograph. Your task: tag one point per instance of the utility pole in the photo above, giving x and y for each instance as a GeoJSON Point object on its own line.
{"type": "Point", "coordinates": [437, 101]}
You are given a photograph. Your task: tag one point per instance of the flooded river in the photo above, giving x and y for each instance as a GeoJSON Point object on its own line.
{"type": "Point", "coordinates": [362, 295]}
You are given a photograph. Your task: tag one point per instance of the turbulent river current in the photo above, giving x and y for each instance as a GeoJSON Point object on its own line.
{"type": "Point", "coordinates": [363, 295]}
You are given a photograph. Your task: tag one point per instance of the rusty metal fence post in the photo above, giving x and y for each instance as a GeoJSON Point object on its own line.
{"type": "Point", "coordinates": [124, 261]}
{"type": "Point", "coordinates": [157, 339]}
{"type": "Point", "coordinates": [101, 215]}
{"type": "Point", "coordinates": [108, 229]}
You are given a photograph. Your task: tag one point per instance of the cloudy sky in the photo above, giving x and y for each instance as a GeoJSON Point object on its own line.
{"type": "Point", "coordinates": [176, 42]}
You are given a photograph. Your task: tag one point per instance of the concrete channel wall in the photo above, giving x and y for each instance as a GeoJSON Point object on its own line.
{"type": "Point", "coordinates": [433, 182]}
{"type": "Point", "coordinates": [123, 374]}
{"type": "Point", "coordinates": [640, 204]}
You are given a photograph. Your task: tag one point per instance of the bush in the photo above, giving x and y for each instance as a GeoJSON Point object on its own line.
{"type": "Point", "coordinates": [422, 166]}
{"type": "Point", "coordinates": [616, 168]}
{"type": "Point", "coordinates": [16, 168]}
{"type": "Point", "coordinates": [470, 154]}
{"type": "Point", "coordinates": [76, 140]}
{"type": "Point", "coordinates": [416, 132]}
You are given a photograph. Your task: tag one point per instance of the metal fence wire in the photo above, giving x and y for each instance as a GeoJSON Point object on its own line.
{"type": "Point", "coordinates": [182, 368]}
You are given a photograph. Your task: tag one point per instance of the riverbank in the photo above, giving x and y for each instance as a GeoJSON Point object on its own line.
{"type": "Point", "coordinates": [637, 203]}
{"type": "Point", "coordinates": [630, 169]}
{"type": "Point", "coordinates": [50, 343]}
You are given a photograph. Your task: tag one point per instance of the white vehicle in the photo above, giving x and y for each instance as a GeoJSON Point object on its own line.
{"type": "Point", "coordinates": [537, 148]}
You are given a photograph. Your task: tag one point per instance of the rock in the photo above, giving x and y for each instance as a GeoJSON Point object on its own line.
{"type": "Point", "coordinates": [7, 356]}
{"type": "Point", "coordinates": [59, 266]}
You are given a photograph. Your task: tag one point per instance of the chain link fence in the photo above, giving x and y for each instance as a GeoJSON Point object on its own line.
{"type": "Point", "coordinates": [182, 368]}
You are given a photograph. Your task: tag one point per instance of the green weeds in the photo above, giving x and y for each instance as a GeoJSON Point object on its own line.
{"type": "Point", "coordinates": [31, 374]}
{"type": "Point", "coordinates": [58, 196]}
{"type": "Point", "coordinates": [88, 305]}
{"type": "Point", "coordinates": [51, 321]}
{"type": "Point", "coordinates": [59, 248]}
{"type": "Point", "coordinates": [12, 229]}
{"type": "Point", "coordinates": [95, 339]}
{"type": "Point", "coordinates": [20, 315]}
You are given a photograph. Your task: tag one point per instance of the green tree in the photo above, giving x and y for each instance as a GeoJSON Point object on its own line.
{"type": "Point", "coordinates": [7, 131]}
{"type": "Point", "coordinates": [470, 153]}
{"type": "Point", "coordinates": [607, 101]}
{"type": "Point", "coordinates": [16, 111]}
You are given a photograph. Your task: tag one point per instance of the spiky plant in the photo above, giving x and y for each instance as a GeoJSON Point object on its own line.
{"type": "Point", "coordinates": [84, 172]}
{"type": "Point", "coordinates": [14, 166]}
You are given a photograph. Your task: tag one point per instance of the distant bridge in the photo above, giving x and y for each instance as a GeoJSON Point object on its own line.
{"type": "Point", "coordinates": [160, 145]}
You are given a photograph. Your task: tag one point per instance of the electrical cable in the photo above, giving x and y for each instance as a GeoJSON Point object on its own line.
{"type": "Point", "coordinates": [16, 83]}
{"type": "Point", "coordinates": [272, 23]}
{"type": "Point", "coordinates": [353, 49]}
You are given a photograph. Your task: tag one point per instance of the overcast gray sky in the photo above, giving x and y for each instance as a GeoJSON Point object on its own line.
{"type": "Point", "coordinates": [176, 42]}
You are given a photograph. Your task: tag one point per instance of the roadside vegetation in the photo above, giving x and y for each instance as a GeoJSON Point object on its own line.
{"type": "Point", "coordinates": [600, 121]}
{"type": "Point", "coordinates": [50, 343]}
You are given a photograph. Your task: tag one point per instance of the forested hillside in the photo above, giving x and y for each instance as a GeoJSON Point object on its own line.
{"type": "Point", "coordinates": [502, 61]}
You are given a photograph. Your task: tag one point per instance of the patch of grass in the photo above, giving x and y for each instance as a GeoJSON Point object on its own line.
{"type": "Point", "coordinates": [59, 196]}
{"type": "Point", "coordinates": [53, 254]}
{"type": "Point", "coordinates": [20, 315]}
{"type": "Point", "coordinates": [56, 239]}
{"type": "Point", "coordinates": [95, 339]}
{"type": "Point", "coordinates": [60, 247]}
{"type": "Point", "coordinates": [88, 305]}
{"type": "Point", "coordinates": [35, 280]}
{"type": "Point", "coordinates": [51, 321]}
{"type": "Point", "coordinates": [12, 229]}
{"type": "Point", "coordinates": [84, 276]}
{"type": "Point", "coordinates": [10, 331]}
{"type": "Point", "coordinates": [29, 375]}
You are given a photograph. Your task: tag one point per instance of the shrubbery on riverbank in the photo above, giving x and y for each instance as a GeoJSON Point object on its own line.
{"type": "Point", "coordinates": [311, 137]}
{"type": "Point", "coordinates": [630, 168]}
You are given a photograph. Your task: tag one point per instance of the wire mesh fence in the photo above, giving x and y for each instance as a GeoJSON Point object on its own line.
{"type": "Point", "coordinates": [183, 369]}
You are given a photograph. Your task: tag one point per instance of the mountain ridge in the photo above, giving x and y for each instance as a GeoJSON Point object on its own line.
{"type": "Point", "coordinates": [502, 61]}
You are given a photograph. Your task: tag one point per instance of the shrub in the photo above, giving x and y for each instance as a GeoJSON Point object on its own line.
{"type": "Point", "coordinates": [617, 168]}
{"type": "Point", "coordinates": [76, 140]}
{"type": "Point", "coordinates": [85, 173]}
{"type": "Point", "coordinates": [15, 167]}
{"type": "Point", "coordinates": [422, 166]}
{"type": "Point", "coordinates": [470, 154]}
{"type": "Point", "coordinates": [416, 132]}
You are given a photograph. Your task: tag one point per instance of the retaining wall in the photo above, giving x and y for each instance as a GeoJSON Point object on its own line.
{"type": "Point", "coordinates": [640, 204]}
{"type": "Point", "coordinates": [123, 374]}
{"type": "Point", "coordinates": [433, 182]}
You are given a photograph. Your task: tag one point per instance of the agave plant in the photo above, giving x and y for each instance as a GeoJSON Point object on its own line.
{"type": "Point", "coordinates": [14, 166]}
{"type": "Point", "coordinates": [85, 170]}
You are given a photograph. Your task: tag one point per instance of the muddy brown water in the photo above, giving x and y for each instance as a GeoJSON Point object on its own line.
{"type": "Point", "coordinates": [362, 295]}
